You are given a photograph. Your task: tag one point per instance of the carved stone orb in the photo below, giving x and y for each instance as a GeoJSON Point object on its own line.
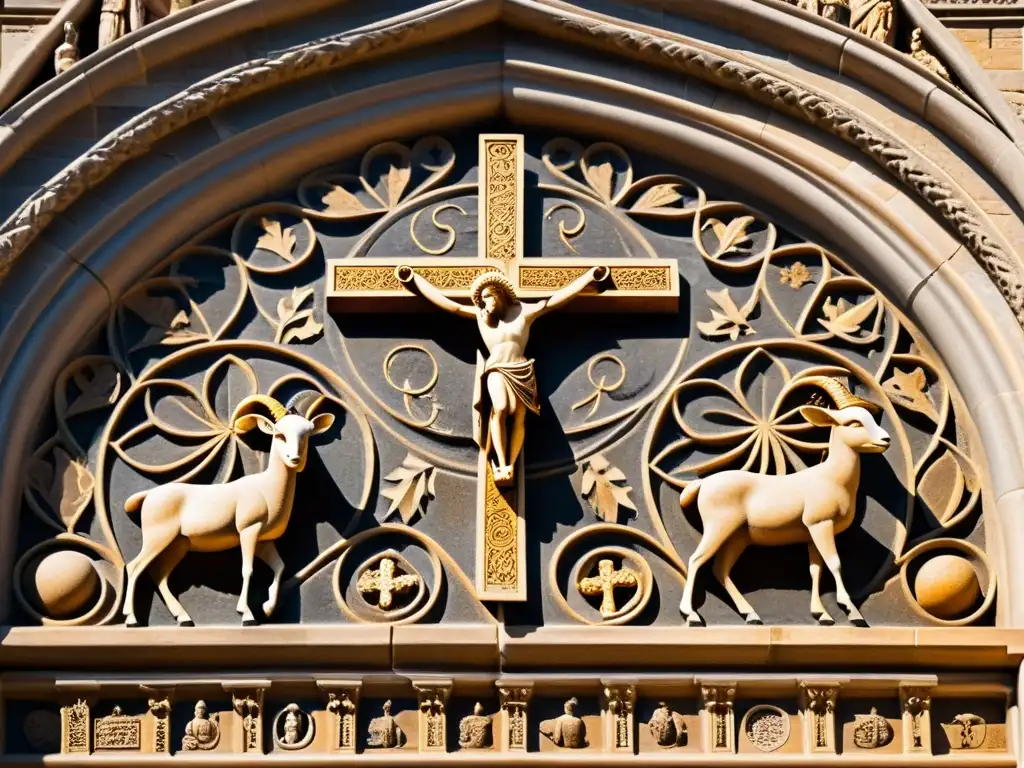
{"type": "Point", "coordinates": [65, 584]}
{"type": "Point", "coordinates": [947, 586]}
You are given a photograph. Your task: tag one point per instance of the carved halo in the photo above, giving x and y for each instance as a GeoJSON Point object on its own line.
{"type": "Point", "coordinates": [493, 280]}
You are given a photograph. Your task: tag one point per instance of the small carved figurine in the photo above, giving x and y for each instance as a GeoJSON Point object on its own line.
{"type": "Point", "coordinates": [203, 732]}
{"type": "Point", "coordinates": [567, 730]}
{"type": "Point", "coordinates": [112, 21]}
{"type": "Point", "coordinates": [295, 731]}
{"type": "Point", "coordinates": [924, 57]}
{"type": "Point", "coordinates": [475, 730]}
{"type": "Point", "coordinates": [872, 731]}
{"type": "Point", "coordinates": [66, 55]}
{"type": "Point", "coordinates": [384, 731]}
{"type": "Point", "coordinates": [667, 727]}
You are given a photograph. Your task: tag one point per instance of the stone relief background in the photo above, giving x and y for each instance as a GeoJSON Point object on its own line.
{"type": "Point", "coordinates": [634, 406]}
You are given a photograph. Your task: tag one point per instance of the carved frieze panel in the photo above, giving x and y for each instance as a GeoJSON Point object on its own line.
{"type": "Point", "coordinates": [696, 350]}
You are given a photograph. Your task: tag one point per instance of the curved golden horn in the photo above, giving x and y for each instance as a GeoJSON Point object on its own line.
{"type": "Point", "coordinates": [838, 392]}
{"type": "Point", "coordinates": [246, 407]}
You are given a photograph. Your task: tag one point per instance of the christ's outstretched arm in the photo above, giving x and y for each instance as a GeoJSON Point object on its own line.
{"type": "Point", "coordinates": [563, 296]}
{"type": "Point", "coordinates": [408, 277]}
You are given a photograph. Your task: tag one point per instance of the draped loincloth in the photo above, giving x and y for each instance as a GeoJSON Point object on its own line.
{"type": "Point", "coordinates": [521, 381]}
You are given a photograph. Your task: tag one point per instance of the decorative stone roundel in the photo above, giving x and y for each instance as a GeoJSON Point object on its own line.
{"type": "Point", "coordinates": [766, 727]}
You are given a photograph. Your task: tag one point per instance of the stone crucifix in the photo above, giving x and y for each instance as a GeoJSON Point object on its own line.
{"type": "Point", "coordinates": [505, 292]}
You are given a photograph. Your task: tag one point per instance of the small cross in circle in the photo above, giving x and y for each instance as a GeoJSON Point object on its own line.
{"type": "Point", "coordinates": [605, 583]}
{"type": "Point", "coordinates": [385, 583]}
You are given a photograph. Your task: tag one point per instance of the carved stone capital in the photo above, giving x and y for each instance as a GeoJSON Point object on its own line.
{"type": "Point", "coordinates": [343, 705]}
{"type": "Point", "coordinates": [247, 701]}
{"type": "Point", "coordinates": [718, 718]}
{"type": "Point", "coordinates": [617, 704]}
{"type": "Point", "coordinates": [433, 718]}
{"type": "Point", "coordinates": [916, 705]}
{"type": "Point", "coordinates": [818, 702]}
{"type": "Point", "coordinates": [515, 699]}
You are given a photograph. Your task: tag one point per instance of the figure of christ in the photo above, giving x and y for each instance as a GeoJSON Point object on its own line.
{"type": "Point", "coordinates": [507, 375]}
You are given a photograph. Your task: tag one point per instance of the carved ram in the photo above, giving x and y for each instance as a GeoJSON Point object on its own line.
{"type": "Point", "coordinates": [251, 512]}
{"type": "Point", "coordinates": [739, 508]}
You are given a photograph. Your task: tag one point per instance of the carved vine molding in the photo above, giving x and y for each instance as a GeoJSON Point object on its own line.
{"type": "Point", "coordinates": [204, 98]}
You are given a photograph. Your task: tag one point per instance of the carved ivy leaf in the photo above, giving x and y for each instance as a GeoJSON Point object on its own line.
{"type": "Point", "coordinates": [602, 489]}
{"type": "Point", "coordinates": [289, 305]}
{"type": "Point", "coordinates": [340, 200]}
{"type": "Point", "coordinates": [845, 319]}
{"type": "Point", "coordinates": [731, 321]}
{"type": "Point", "coordinates": [98, 390]}
{"type": "Point", "coordinates": [656, 198]}
{"type": "Point", "coordinates": [908, 389]}
{"type": "Point", "coordinates": [414, 484]}
{"type": "Point", "coordinates": [66, 485]}
{"type": "Point", "coordinates": [277, 239]}
{"type": "Point", "coordinates": [398, 178]}
{"type": "Point", "coordinates": [730, 236]}
{"type": "Point", "coordinates": [169, 325]}
{"type": "Point", "coordinates": [601, 178]}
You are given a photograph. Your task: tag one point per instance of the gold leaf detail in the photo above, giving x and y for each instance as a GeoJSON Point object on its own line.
{"type": "Point", "coordinates": [842, 318]}
{"type": "Point", "coordinates": [601, 488]}
{"type": "Point", "coordinates": [277, 240]}
{"type": "Point", "coordinates": [796, 275]}
{"type": "Point", "coordinates": [414, 485]}
{"type": "Point", "coordinates": [731, 321]}
{"type": "Point", "coordinates": [730, 236]}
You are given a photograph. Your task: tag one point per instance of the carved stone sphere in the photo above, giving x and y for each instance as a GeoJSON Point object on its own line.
{"type": "Point", "coordinates": [65, 583]}
{"type": "Point", "coordinates": [947, 586]}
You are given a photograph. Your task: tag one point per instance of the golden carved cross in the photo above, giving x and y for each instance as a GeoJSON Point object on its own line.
{"type": "Point", "coordinates": [608, 579]}
{"type": "Point", "coordinates": [372, 284]}
{"type": "Point", "coordinates": [384, 582]}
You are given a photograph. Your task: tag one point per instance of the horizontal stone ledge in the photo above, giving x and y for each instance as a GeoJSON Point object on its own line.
{"type": "Point", "coordinates": [398, 758]}
{"type": "Point", "coordinates": [490, 649]}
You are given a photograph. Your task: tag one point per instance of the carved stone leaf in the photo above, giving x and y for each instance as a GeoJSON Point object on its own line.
{"type": "Point", "coordinates": [307, 330]}
{"type": "Point", "coordinates": [277, 240]}
{"type": "Point", "coordinates": [340, 200]}
{"type": "Point", "coordinates": [657, 197]}
{"type": "Point", "coordinates": [169, 325]}
{"type": "Point", "coordinates": [414, 481]}
{"type": "Point", "coordinates": [731, 321]}
{"type": "Point", "coordinates": [908, 389]}
{"type": "Point", "coordinates": [730, 236]}
{"type": "Point", "coordinates": [66, 486]}
{"type": "Point", "coordinates": [843, 318]}
{"type": "Point", "coordinates": [289, 305]}
{"type": "Point", "coordinates": [96, 391]}
{"type": "Point", "coordinates": [602, 491]}
{"type": "Point", "coordinates": [601, 178]}
{"type": "Point", "coordinates": [941, 487]}
{"type": "Point", "coordinates": [397, 180]}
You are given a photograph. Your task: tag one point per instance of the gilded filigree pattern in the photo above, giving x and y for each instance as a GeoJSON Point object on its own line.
{"type": "Point", "coordinates": [357, 278]}
{"type": "Point", "coordinates": [501, 174]}
{"type": "Point", "coordinates": [501, 534]}
{"type": "Point", "coordinates": [621, 279]}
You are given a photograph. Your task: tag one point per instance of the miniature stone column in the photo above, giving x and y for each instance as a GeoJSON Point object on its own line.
{"type": "Point", "coordinates": [433, 720]}
{"type": "Point", "coordinates": [617, 705]}
{"type": "Point", "coordinates": [513, 721]}
{"type": "Point", "coordinates": [718, 718]}
{"type": "Point", "coordinates": [76, 718]}
{"type": "Point", "coordinates": [247, 700]}
{"type": "Point", "coordinates": [343, 704]}
{"type": "Point", "coordinates": [159, 711]}
{"type": "Point", "coordinates": [818, 701]}
{"type": "Point", "coordinates": [916, 705]}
